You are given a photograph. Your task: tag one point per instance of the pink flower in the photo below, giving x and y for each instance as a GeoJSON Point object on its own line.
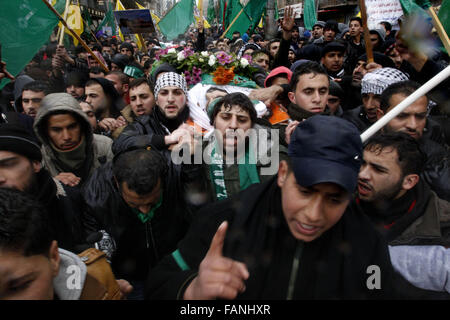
{"type": "Point", "coordinates": [223, 58]}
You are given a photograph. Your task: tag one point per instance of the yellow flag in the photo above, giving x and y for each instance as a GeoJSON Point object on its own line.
{"type": "Point", "coordinates": [205, 22]}
{"type": "Point", "coordinates": [74, 21]}
{"type": "Point", "coordinates": [120, 7]}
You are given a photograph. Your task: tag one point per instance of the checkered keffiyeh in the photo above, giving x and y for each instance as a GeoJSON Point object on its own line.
{"type": "Point", "coordinates": [375, 82]}
{"type": "Point", "coordinates": [170, 79]}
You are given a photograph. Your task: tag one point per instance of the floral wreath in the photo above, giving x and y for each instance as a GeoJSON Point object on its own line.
{"type": "Point", "coordinates": [225, 68]}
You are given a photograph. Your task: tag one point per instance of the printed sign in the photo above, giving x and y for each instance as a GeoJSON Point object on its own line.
{"type": "Point", "coordinates": [134, 21]}
{"type": "Point", "coordinates": [383, 10]}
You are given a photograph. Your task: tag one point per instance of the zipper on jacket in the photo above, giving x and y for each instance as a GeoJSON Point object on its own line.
{"type": "Point", "coordinates": [149, 223]}
{"type": "Point", "coordinates": [294, 270]}
{"type": "Point", "coordinates": [146, 236]}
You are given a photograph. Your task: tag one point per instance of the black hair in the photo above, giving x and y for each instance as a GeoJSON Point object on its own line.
{"type": "Point", "coordinates": [356, 19]}
{"type": "Point", "coordinates": [410, 157]}
{"type": "Point", "coordinates": [97, 47]}
{"type": "Point", "coordinates": [403, 87]}
{"type": "Point", "coordinates": [140, 168]}
{"type": "Point", "coordinates": [386, 25]}
{"type": "Point", "coordinates": [96, 70]}
{"type": "Point", "coordinates": [37, 86]}
{"type": "Point", "coordinates": [24, 224]}
{"type": "Point", "coordinates": [272, 41]}
{"type": "Point", "coordinates": [306, 68]}
{"type": "Point", "coordinates": [137, 82]}
{"type": "Point", "coordinates": [235, 98]}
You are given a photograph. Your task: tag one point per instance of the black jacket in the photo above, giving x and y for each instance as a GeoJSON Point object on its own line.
{"type": "Point", "coordinates": [437, 167]}
{"type": "Point", "coordinates": [139, 246]}
{"type": "Point", "coordinates": [64, 205]}
{"type": "Point", "coordinates": [148, 130]}
{"type": "Point", "coordinates": [358, 117]}
{"type": "Point", "coordinates": [333, 266]}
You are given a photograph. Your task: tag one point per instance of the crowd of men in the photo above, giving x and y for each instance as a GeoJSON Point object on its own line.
{"type": "Point", "coordinates": [87, 161]}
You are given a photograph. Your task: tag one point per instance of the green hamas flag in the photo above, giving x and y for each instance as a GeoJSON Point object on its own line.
{"type": "Point", "coordinates": [254, 10]}
{"type": "Point", "coordinates": [107, 22]}
{"type": "Point", "coordinates": [211, 16]}
{"type": "Point", "coordinates": [309, 14]}
{"type": "Point", "coordinates": [88, 23]}
{"type": "Point", "coordinates": [26, 26]}
{"type": "Point", "coordinates": [178, 19]}
{"type": "Point", "coordinates": [242, 23]}
{"type": "Point", "coordinates": [444, 16]}
{"type": "Point", "coordinates": [410, 6]}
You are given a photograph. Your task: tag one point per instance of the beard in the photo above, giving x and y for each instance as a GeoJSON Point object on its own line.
{"type": "Point", "coordinates": [385, 197]}
{"type": "Point", "coordinates": [32, 187]}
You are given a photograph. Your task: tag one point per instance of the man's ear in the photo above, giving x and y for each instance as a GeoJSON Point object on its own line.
{"type": "Point", "coordinates": [125, 87]}
{"type": "Point", "coordinates": [283, 172]}
{"type": "Point", "coordinates": [410, 181]}
{"type": "Point", "coordinates": [291, 96]}
{"type": "Point", "coordinates": [380, 113]}
{"type": "Point", "coordinates": [54, 258]}
{"type": "Point", "coordinates": [37, 166]}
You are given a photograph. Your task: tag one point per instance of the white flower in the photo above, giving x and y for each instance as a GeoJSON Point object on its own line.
{"type": "Point", "coordinates": [205, 54]}
{"type": "Point", "coordinates": [180, 56]}
{"type": "Point", "coordinates": [244, 62]}
{"type": "Point", "coordinates": [172, 50]}
{"type": "Point", "coordinates": [201, 59]}
{"type": "Point", "coordinates": [212, 60]}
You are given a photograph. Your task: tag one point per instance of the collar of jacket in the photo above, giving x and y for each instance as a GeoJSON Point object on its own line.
{"type": "Point", "coordinates": [427, 229]}
{"type": "Point", "coordinates": [299, 114]}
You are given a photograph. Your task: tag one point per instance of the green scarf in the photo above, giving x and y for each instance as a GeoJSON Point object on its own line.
{"type": "Point", "coordinates": [73, 159]}
{"type": "Point", "coordinates": [144, 217]}
{"type": "Point", "coordinates": [248, 173]}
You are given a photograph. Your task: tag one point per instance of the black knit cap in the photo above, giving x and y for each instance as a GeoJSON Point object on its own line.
{"type": "Point", "coordinates": [16, 139]}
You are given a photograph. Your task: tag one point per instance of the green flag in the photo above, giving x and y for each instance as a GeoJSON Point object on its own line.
{"type": "Point", "coordinates": [254, 10]}
{"type": "Point", "coordinates": [211, 15]}
{"type": "Point", "coordinates": [242, 23]}
{"type": "Point", "coordinates": [107, 22]}
{"type": "Point", "coordinates": [417, 6]}
{"type": "Point", "coordinates": [309, 14]}
{"type": "Point", "coordinates": [178, 19]}
{"type": "Point", "coordinates": [444, 16]}
{"type": "Point", "coordinates": [26, 26]}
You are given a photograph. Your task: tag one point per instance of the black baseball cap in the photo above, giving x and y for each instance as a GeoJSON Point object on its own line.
{"type": "Point", "coordinates": [326, 149]}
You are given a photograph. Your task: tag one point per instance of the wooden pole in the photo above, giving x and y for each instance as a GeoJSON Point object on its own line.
{"type": "Point", "coordinates": [62, 31]}
{"type": "Point", "coordinates": [369, 52]}
{"type": "Point", "coordinates": [200, 8]}
{"type": "Point", "coordinates": [440, 29]}
{"type": "Point", "coordinates": [232, 22]}
{"type": "Point", "coordinates": [76, 35]}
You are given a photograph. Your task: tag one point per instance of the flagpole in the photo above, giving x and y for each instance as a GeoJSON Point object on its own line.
{"type": "Point", "coordinates": [429, 85]}
{"type": "Point", "coordinates": [200, 9]}
{"type": "Point", "coordinates": [61, 35]}
{"type": "Point", "coordinates": [75, 35]}
{"type": "Point", "coordinates": [369, 52]}
{"type": "Point", "coordinates": [440, 29]}
{"type": "Point", "coordinates": [232, 22]}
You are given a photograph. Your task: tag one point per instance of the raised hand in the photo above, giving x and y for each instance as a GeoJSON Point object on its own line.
{"type": "Point", "coordinates": [288, 20]}
{"type": "Point", "coordinates": [218, 277]}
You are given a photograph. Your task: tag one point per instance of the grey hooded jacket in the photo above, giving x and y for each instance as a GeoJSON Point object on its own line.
{"type": "Point", "coordinates": [98, 147]}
